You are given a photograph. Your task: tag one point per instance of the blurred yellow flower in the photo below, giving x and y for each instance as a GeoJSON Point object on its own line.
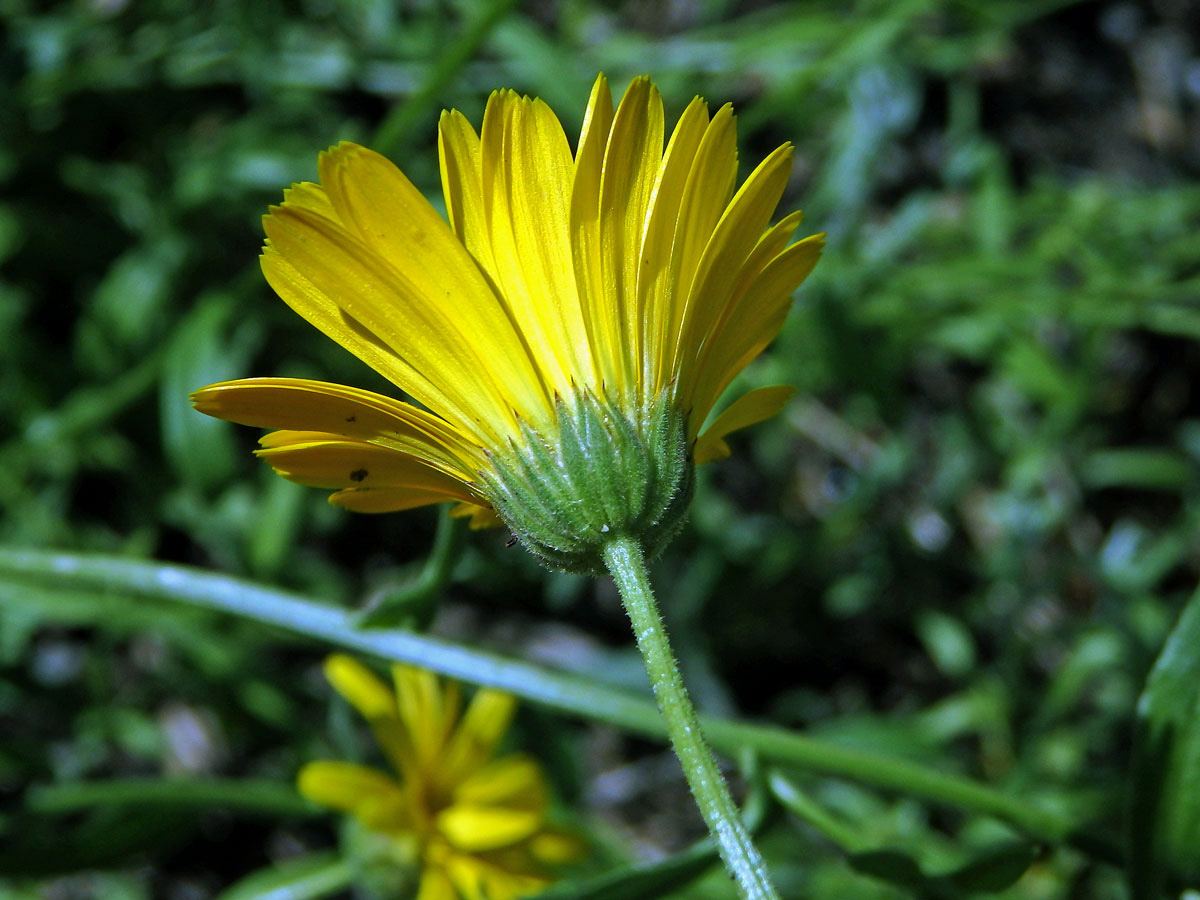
{"type": "Point", "coordinates": [478, 823]}
{"type": "Point", "coordinates": [599, 301]}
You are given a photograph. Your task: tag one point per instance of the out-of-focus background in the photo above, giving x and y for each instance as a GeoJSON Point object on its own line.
{"type": "Point", "coordinates": [962, 543]}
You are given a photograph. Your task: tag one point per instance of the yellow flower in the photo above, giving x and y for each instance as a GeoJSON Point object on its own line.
{"type": "Point", "coordinates": [568, 333]}
{"type": "Point", "coordinates": [477, 822]}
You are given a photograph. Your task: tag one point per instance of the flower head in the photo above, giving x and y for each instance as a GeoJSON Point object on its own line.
{"type": "Point", "coordinates": [567, 334]}
{"type": "Point", "coordinates": [475, 824]}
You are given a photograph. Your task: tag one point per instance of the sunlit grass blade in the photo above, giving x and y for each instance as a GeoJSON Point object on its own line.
{"type": "Point", "coordinates": [566, 693]}
{"type": "Point", "coordinates": [306, 878]}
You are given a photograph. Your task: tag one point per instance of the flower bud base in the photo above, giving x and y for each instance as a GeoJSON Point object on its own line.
{"type": "Point", "coordinates": [608, 471]}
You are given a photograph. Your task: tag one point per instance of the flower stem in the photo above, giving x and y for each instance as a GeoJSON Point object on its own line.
{"type": "Point", "coordinates": [413, 606]}
{"type": "Point", "coordinates": [627, 563]}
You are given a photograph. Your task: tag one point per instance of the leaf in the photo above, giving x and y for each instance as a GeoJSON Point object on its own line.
{"type": "Point", "coordinates": [636, 881]}
{"type": "Point", "coordinates": [808, 810]}
{"type": "Point", "coordinates": [35, 845]}
{"type": "Point", "coordinates": [200, 449]}
{"type": "Point", "coordinates": [245, 795]}
{"type": "Point", "coordinates": [993, 870]}
{"type": "Point", "coordinates": [996, 869]}
{"type": "Point", "coordinates": [1136, 468]}
{"type": "Point", "coordinates": [132, 297]}
{"type": "Point", "coordinates": [1164, 817]}
{"type": "Point", "coordinates": [893, 866]}
{"type": "Point", "coordinates": [305, 878]}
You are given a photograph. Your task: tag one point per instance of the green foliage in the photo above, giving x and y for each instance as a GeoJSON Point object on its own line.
{"type": "Point", "coordinates": [306, 878]}
{"type": "Point", "coordinates": [1165, 792]}
{"type": "Point", "coordinates": [947, 567]}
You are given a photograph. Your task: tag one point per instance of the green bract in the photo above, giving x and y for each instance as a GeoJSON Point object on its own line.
{"type": "Point", "coordinates": [608, 472]}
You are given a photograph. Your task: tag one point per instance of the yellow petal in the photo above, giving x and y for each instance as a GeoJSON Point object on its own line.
{"type": "Point", "coordinates": [706, 192]}
{"type": "Point", "coordinates": [330, 461]}
{"type": "Point", "coordinates": [299, 404]}
{"type": "Point", "coordinates": [322, 312]}
{"type": "Point", "coordinates": [631, 163]}
{"type": "Point", "coordinates": [597, 121]}
{"type": "Point", "coordinates": [503, 874]}
{"type": "Point", "coordinates": [369, 694]}
{"type": "Point", "coordinates": [386, 500]}
{"type": "Point", "coordinates": [733, 239]}
{"type": "Point", "coordinates": [436, 885]}
{"type": "Point", "coordinates": [361, 688]}
{"type": "Point", "coordinates": [483, 725]}
{"type": "Point", "coordinates": [481, 516]}
{"type": "Point", "coordinates": [385, 211]}
{"type": "Point", "coordinates": [440, 361]}
{"type": "Point", "coordinates": [748, 409]}
{"type": "Point", "coordinates": [707, 384]}
{"type": "Point", "coordinates": [585, 218]}
{"type": "Point", "coordinates": [552, 847]}
{"type": "Point", "coordinates": [427, 710]}
{"type": "Point", "coordinates": [476, 829]}
{"type": "Point", "coordinates": [312, 197]}
{"type": "Point", "coordinates": [467, 873]}
{"type": "Point", "coordinates": [501, 885]}
{"type": "Point", "coordinates": [756, 318]}
{"type": "Point", "coordinates": [349, 787]}
{"type": "Point", "coordinates": [514, 781]}
{"type": "Point", "coordinates": [655, 286]}
{"type": "Point", "coordinates": [528, 199]}
{"type": "Point", "coordinates": [511, 877]}
{"type": "Point", "coordinates": [459, 155]}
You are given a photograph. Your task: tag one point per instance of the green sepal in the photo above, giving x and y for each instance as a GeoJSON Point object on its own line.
{"type": "Point", "coordinates": [607, 469]}
{"type": "Point", "coordinates": [385, 866]}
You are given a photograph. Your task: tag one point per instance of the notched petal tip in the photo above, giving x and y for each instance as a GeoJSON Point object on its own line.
{"type": "Point", "coordinates": [791, 221]}
{"type": "Point", "coordinates": [784, 152]}
{"type": "Point", "coordinates": [209, 399]}
{"type": "Point", "coordinates": [344, 155]}
{"type": "Point", "coordinates": [340, 149]}
{"type": "Point", "coordinates": [811, 246]}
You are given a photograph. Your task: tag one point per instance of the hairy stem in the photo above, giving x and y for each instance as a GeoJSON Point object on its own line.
{"type": "Point", "coordinates": [626, 561]}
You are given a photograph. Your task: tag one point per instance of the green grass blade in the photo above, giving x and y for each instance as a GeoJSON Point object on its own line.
{"type": "Point", "coordinates": [566, 693]}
